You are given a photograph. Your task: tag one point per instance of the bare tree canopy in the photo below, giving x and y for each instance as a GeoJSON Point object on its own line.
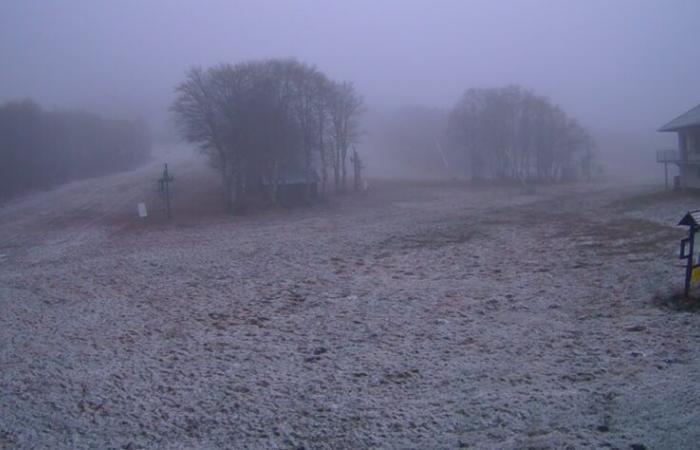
{"type": "Point", "coordinates": [512, 133]}
{"type": "Point", "coordinates": [345, 106]}
{"type": "Point", "coordinates": [258, 120]}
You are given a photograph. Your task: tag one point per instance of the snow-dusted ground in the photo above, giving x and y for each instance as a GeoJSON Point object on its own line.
{"type": "Point", "coordinates": [423, 315]}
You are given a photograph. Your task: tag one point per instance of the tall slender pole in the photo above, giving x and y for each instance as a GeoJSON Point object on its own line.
{"type": "Point", "coordinates": [164, 182]}
{"type": "Point", "coordinates": [691, 260]}
{"type": "Point", "coordinates": [167, 190]}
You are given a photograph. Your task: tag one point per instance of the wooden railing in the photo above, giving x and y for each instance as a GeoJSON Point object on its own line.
{"type": "Point", "coordinates": [668, 156]}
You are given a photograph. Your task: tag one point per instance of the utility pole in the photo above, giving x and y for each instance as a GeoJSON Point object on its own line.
{"type": "Point", "coordinates": [164, 182]}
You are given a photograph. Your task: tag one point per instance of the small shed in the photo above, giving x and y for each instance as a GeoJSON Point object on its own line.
{"type": "Point", "coordinates": [294, 186]}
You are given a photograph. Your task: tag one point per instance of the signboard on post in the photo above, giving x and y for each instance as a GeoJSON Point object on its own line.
{"type": "Point", "coordinates": [692, 267]}
{"type": "Point", "coordinates": [695, 275]}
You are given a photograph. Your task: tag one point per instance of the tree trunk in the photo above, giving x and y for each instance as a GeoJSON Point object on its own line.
{"type": "Point", "coordinates": [307, 174]}
{"type": "Point", "coordinates": [344, 171]}
{"type": "Point", "coordinates": [324, 174]}
{"type": "Point", "coordinates": [336, 170]}
{"type": "Point", "coordinates": [356, 177]}
{"type": "Point", "coordinates": [274, 182]}
{"type": "Point", "coordinates": [226, 181]}
{"type": "Point", "coordinates": [231, 191]}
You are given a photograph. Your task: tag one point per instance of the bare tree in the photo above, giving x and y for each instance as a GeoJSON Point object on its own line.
{"type": "Point", "coordinates": [345, 107]}
{"type": "Point", "coordinates": [320, 107]}
{"type": "Point", "coordinates": [258, 120]}
{"type": "Point", "coordinates": [311, 111]}
{"type": "Point", "coordinates": [202, 111]}
{"type": "Point", "coordinates": [511, 133]}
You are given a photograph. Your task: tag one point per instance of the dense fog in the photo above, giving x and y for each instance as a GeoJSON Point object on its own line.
{"type": "Point", "coordinates": [620, 68]}
{"type": "Point", "coordinates": [349, 224]}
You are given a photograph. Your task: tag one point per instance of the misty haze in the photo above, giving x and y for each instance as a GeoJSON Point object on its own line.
{"type": "Point", "coordinates": [349, 224]}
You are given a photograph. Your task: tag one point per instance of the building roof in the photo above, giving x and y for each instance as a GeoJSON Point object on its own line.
{"type": "Point", "coordinates": [691, 219]}
{"type": "Point", "coordinates": [294, 176]}
{"type": "Point", "coordinates": [689, 119]}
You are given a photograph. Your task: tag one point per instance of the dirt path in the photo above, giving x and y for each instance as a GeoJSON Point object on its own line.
{"type": "Point", "coordinates": [421, 316]}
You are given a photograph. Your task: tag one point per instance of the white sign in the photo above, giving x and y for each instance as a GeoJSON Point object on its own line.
{"type": "Point", "coordinates": [142, 210]}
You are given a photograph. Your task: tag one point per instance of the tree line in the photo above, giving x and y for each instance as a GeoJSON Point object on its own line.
{"type": "Point", "coordinates": [40, 149]}
{"type": "Point", "coordinates": [511, 133]}
{"type": "Point", "coordinates": [261, 121]}
{"type": "Point", "coordinates": [265, 122]}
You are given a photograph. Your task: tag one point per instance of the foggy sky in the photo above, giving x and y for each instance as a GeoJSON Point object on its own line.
{"type": "Point", "coordinates": [629, 65]}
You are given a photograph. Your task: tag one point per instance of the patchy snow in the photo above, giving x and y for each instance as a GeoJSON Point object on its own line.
{"type": "Point", "coordinates": [422, 315]}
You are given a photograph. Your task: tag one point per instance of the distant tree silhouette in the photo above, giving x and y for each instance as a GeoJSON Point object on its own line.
{"type": "Point", "coordinates": [345, 106]}
{"type": "Point", "coordinates": [260, 120]}
{"type": "Point", "coordinates": [511, 133]}
{"type": "Point", "coordinates": [40, 149]}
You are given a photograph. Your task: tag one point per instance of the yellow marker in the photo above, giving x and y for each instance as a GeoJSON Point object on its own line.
{"type": "Point", "coordinates": [695, 274]}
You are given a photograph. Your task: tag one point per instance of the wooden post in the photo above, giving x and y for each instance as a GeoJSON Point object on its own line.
{"type": "Point", "coordinates": [666, 175]}
{"type": "Point", "coordinates": [165, 181]}
{"type": "Point", "coordinates": [690, 261]}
